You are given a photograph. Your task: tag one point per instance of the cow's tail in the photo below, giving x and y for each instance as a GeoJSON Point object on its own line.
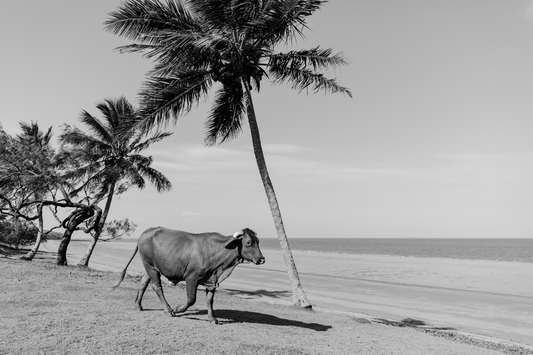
{"type": "Point", "coordinates": [123, 274]}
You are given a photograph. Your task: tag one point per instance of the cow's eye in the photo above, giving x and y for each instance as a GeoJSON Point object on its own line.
{"type": "Point", "coordinates": [248, 243]}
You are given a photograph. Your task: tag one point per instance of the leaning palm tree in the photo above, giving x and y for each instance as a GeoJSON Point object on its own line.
{"type": "Point", "coordinates": [197, 43]}
{"type": "Point", "coordinates": [108, 159]}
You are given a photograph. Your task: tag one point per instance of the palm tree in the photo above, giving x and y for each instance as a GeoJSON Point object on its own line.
{"type": "Point", "coordinates": [108, 156]}
{"type": "Point", "coordinates": [195, 44]}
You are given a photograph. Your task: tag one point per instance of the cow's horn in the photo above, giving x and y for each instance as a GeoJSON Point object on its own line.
{"type": "Point", "coordinates": [238, 234]}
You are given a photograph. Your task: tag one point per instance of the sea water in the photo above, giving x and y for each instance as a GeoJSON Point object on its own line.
{"type": "Point", "coordinates": [517, 250]}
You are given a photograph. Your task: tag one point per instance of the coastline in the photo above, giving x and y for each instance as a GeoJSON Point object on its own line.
{"type": "Point", "coordinates": [468, 295]}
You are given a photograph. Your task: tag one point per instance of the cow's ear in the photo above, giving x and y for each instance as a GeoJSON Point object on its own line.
{"type": "Point", "coordinates": [233, 243]}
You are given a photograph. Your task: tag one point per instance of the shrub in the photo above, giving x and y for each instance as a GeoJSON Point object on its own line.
{"type": "Point", "coordinates": [17, 233]}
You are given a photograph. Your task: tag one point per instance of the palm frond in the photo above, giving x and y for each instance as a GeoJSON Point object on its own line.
{"type": "Point", "coordinates": [115, 111]}
{"type": "Point", "coordinates": [109, 111]}
{"type": "Point", "coordinates": [139, 147]}
{"type": "Point", "coordinates": [138, 159]}
{"type": "Point", "coordinates": [234, 14]}
{"type": "Point", "coordinates": [191, 35]}
{"type": "Point", "coordinates": [135, 178]}
{"type": "Point", "coordinates": [156, 178]}
{"type": "Point", "coordinates": [225, 118]}
{"type": "Point", "coordinates": [139, 20]}
{"type": "Point", "coordinates": [139, 48]}
{"type": "Point", "coordinates": [78, 139]}
{"type": "Point", "coordinates": [166, 31]}
{"type": "Point", "coordinates": [282, 20]}
{"type": "Point", "coordinates": [211, 12]}
{"type": "Point", "coordinates": [304, 79]}
{"type": "Point", "coordinates": [194, 51]}
{"type": "Point", "coordinates": [95, 125]}
{"type": "Point", "coordinates": [316, 58]}
{"type": "Point", "coordinates": [163, 98]}
{"type": "Point", "coordinates": [133, 167]}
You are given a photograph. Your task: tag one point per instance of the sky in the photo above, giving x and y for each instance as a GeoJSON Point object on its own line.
{"type": "Point", "coordinates": [435, 143]}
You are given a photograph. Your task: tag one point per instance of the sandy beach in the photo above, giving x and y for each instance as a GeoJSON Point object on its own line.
{"type": "Point", "coordinates": [489, 298]}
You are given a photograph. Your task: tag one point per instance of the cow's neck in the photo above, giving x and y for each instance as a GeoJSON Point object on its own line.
{"type": "Point", "coordinates": [228, 260]}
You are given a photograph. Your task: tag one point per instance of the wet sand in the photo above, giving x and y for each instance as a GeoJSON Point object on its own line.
{"type": "Point", "coordinates": [482, 297]}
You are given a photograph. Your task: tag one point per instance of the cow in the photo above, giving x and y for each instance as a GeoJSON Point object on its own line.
{"type": "Point", "coordinates": [198, 259]}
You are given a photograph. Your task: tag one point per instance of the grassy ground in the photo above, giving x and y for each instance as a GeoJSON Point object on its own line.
{"type": "Point", "coordinates": [47, 309]}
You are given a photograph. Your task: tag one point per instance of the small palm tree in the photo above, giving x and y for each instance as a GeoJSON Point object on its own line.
{"type": "Point", "coordinates": [108, 156]}
{"type": "Point", "coordinates": [196, 44]}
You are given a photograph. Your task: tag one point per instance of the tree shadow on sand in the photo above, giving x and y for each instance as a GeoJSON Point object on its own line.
{"type": "Point", "coordinates": [413, 323]}
{"type": "Point", "coordinates": [227, 316]}
{"type": "Point", "coordinates": [257, 293]}
{"type": "Point", "coordinates": [9, 252]}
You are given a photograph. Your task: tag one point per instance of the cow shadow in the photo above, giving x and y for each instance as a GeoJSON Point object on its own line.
{"type": "Point", "coordinates": [228, 316]}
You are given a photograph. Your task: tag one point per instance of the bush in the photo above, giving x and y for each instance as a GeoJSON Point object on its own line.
{"type": "Point", "coordinates": [27, 234]}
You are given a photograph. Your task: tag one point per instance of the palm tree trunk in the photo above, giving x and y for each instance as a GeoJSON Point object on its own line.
{"type": "Point", "coordinates": [298, 294]}
{"type": "Point", "coordinates": [84, 262]}
{"type": "Point", "coordinates": [31, 254]}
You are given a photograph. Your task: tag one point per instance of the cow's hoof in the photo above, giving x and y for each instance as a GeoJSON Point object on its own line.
{"type": "Point", "coordinates": [140, 308]}
{"type": "Point", "coordinates": [213, 320]}
{"type": "Point", "coordinates": [172, 314]}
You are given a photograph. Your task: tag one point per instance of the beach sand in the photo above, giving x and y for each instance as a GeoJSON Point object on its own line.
{"type": "Point", "coordinates": [489, 298]}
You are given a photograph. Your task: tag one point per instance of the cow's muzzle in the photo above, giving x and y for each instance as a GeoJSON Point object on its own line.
{"type": "Point", "coordinates": [259, 261]}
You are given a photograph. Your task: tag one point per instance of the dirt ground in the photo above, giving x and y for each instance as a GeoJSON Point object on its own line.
{"type": "Point", "coordinates": [47, 309]}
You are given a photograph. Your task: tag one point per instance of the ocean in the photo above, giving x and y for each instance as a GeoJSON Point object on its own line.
{"type": "Point", "coordinates": [501, 249]}
{"type": "Point", "coordinates": [517, 250]}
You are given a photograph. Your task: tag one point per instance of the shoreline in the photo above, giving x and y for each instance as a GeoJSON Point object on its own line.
{"type": "Point", "coordinates": [419, 295]}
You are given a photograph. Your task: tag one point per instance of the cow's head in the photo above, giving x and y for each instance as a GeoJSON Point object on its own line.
{"type": "Point", "coordinates": [248, 244]}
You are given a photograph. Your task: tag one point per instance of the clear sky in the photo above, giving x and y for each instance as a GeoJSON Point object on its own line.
{"type": "Point", "coordinates": [436, 142]}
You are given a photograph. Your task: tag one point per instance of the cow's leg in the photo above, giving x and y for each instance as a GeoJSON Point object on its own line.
{"type": "Point", "coordinates": [155, 277]}
{"type": "Point", "coordinates": [144, 284]}
{"type": "Point", "coordinates": [210, 295]}
{"type": "Point", "coordinates": [192, 285]}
